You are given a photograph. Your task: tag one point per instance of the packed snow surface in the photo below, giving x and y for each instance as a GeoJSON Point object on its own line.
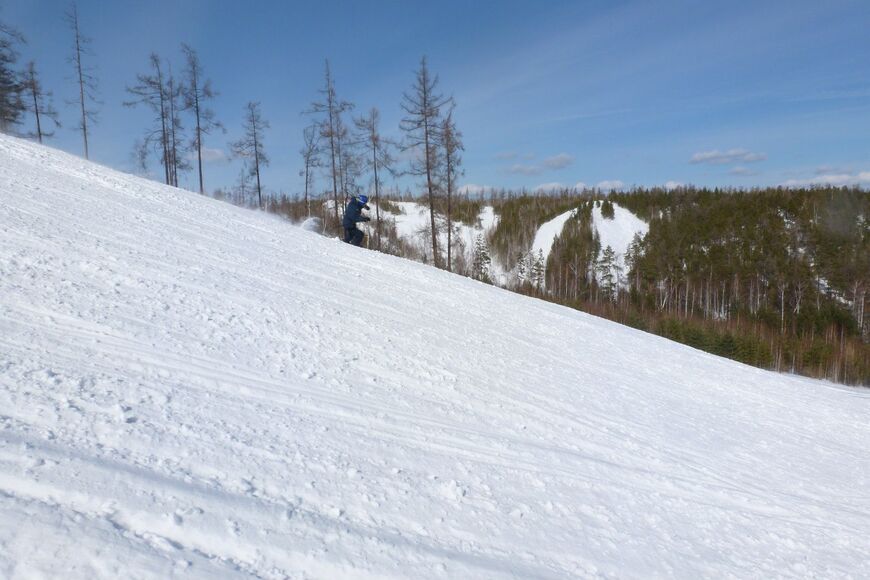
{"type": "Point", "coordinates": [192, 390]}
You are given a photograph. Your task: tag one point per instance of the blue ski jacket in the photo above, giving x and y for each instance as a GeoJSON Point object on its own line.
{"type": "Point", "coordinates": [353, 213]}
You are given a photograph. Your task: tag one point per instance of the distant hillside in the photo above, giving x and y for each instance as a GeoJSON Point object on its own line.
{"type": "Point", "coordinates": [775, 278]}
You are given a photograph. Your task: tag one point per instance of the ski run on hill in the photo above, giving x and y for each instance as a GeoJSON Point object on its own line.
{"type": "Point", "coordinates": [193, 390]}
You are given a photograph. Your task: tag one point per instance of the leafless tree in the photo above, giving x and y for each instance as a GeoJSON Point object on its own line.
{"type": "Point", "coordinates": [177, 150]}
{"type": "Point", "coordinates": [378, 159]}
{"type": "Point", "coordinates": [87, 82]}
{"type": "Point", "coordinates": [40, 103]}
{"type": "Point", "coordinates": [250, 146]}
{"type": "Point", "coordinates": [451, 141]}
{"type": "Point", "coordinates": [331, 131]}
{"type": "Point", "coordinates": [197, 93]}
{"type": "Point", "coordinates": [311, 158]}
{"type": "Point", "coordinates": [151, 90]}
{"type": "Point", "coordinates": [422, 127]}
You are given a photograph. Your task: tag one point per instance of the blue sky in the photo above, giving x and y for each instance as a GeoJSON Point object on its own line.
{"type": "Point", "coordinates": [595, 92]}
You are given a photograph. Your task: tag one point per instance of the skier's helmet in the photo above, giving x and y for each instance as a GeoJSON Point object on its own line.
{"type": "Point", "coordinates": [364, 198]}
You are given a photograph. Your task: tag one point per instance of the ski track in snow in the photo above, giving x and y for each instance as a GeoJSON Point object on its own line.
{"type": "Point", "coordinates": [193, 390]}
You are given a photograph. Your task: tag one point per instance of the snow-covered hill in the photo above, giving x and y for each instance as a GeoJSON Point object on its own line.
{"type": "Point", "coordinates": [192, 390]}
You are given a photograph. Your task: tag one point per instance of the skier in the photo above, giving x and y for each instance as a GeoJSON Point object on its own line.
{"type": "Point", "coordinates": [352, 216]}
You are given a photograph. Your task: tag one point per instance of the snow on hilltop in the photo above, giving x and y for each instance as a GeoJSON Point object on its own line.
{"type": "Point", "coordinates": [192, 390]}
{"type": "Point", "coordinates": [619, 232]}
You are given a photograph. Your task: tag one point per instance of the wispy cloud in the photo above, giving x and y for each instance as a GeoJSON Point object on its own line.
{"type": "Point", "coordinates": [610, 184]}
{"type": "Point", "coordinates": [580, 186]}
{"type": "Point", "coordinates": [559, 161]}
{"type": "Point", "coordinates": [836, 179]}
{"type": "Point", "coordinates": [741, 171]}
{"type": "Point", "coordinates": [210, 155]}
{"type": "Point", "coordinates": [524, 169]}
{"type": "Point", "coordinates": [717, 157]}
{"type": "Point", "coordinates": [549, 187]}
{"type": "Point", "coordinates": [671, 185]}
{"type": "Point", "coordinates": [506, 155]}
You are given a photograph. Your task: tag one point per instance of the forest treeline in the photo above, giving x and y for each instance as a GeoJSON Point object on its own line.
{"type": "Point", "coordinates": [777, 278]}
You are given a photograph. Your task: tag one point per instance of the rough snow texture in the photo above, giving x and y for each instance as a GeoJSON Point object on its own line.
{"type": "Point", "coordinates": [619, 232]}
{"type": "Point", "coordinates": [192, 390]}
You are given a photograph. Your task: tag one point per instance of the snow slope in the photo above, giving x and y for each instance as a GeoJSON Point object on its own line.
{"type": "Point", "coordinates": [192, 390]}
{"type": "Point", "coordinates": [619, 232]}
{"type": "Point", "coordinates": [547, 234]}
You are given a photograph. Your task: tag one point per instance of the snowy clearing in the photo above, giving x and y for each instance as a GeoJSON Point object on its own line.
{"type": "Point", "coordinates": [413, 225]}
{"type": "Point", "coordinates": [619, 232]}
{"type": "Point", "coordinates": [193, 390]}
{"type": "Point", "coordinates": [547, 234]}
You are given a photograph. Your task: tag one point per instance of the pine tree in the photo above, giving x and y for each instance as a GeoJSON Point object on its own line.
{"type": "Point", "coordinates": [11, 103]}
{"type": "Point", "coordinates": [604, 268]}
{"type": "Point", "coordinates": [481, 262]}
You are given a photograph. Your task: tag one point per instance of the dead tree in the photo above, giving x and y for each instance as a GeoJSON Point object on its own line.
{"type": "Point", "coordinates": [250, 146]}
{"type": "Point", "coordinates": [422, 127]}
{"type": "Point", "coordinates": [311, 158]}
{"type": "Point", "coordinates": [451, 141]}
{"type": "Point", "coordinates": [151, 91]}
{"type": "Point", "coordinates": [330, 130]}
{"type": "Point", "coordinates": [197, 93]}
{"type": "Point", "coordinates": [378, 159]}
{"type": "Point", "coordinates": [40, 103]}
{"type": "Point", "coordinates": [87, 82]}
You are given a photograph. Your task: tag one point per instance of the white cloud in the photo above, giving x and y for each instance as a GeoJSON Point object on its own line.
{"type": "Point", "coordinates": [549, 187]}
{"type": "Point", "coordinates": [522, 169]}
{"type": "Point", "coordinates": [717, 157]}
{"type": "Point", "coordinates": [580, 186]}
{"type": "Point", "coordinates": [741, 170]}
{"type": "Point", "coordinates": [210, 155]}
{"type": "Point", "coordinates": [835, 179]}
{"type": "Point", "coordinates": [671, 185]}
{"type": "Point", "coordinates": [560, 161]}
{"type": "Point", "coordinates": [610, 184]}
